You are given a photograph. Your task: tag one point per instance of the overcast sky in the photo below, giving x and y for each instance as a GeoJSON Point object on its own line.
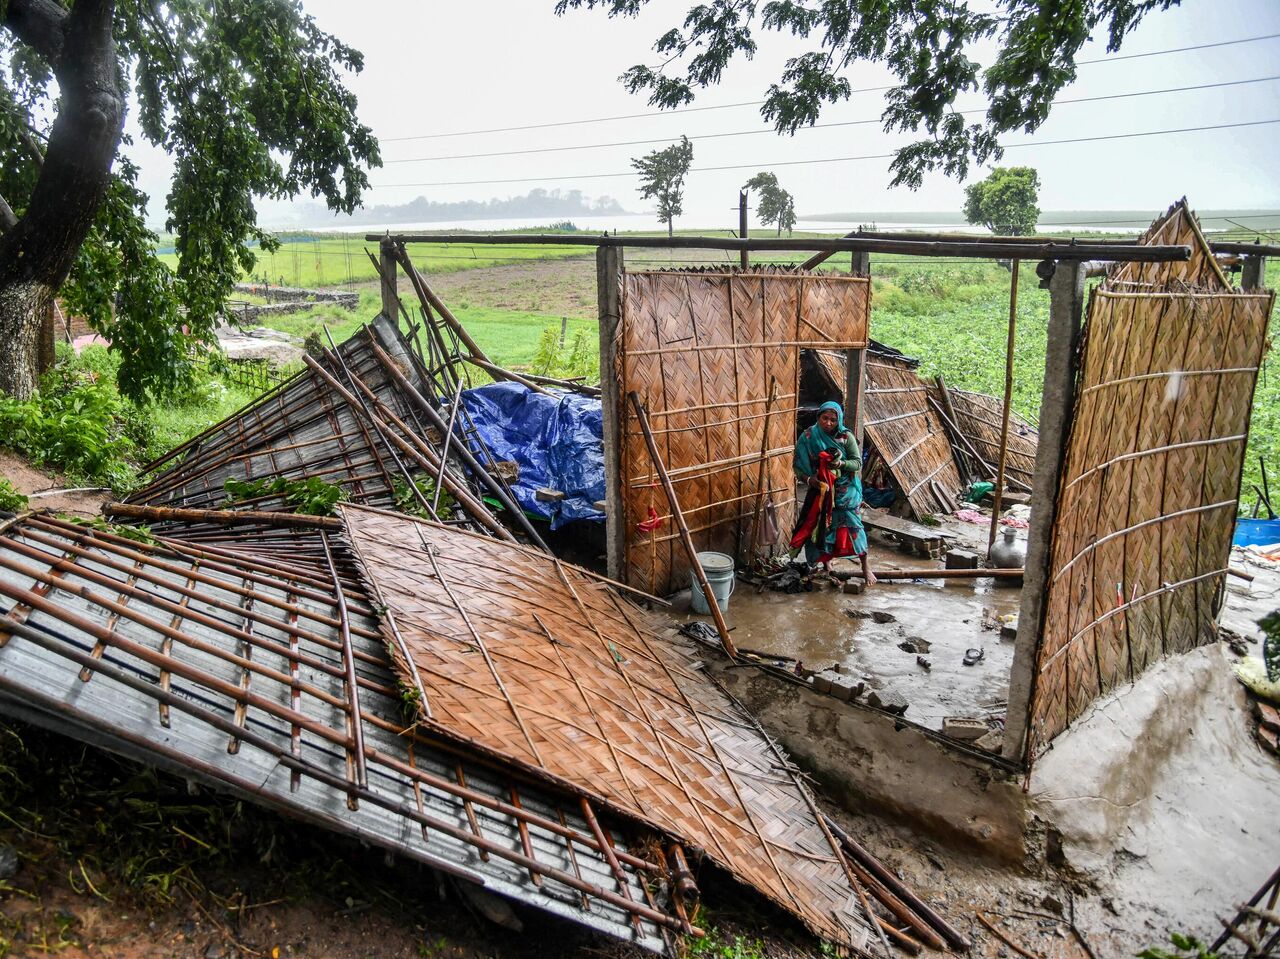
{"type": "Point", "coordinates": [441, 67]}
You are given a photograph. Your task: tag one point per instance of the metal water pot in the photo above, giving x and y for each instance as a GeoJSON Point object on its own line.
{"type": "Point", "coordinates": [1008, 552]}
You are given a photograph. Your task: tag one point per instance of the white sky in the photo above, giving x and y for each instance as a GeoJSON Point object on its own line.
{"type": "Point", "coordinates": [438, 66]}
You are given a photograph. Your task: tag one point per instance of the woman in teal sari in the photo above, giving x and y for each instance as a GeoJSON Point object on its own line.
{"type": "Point", "coordinates": [828, 460]}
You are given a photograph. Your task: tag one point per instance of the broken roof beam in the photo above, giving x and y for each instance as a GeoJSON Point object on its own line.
{"type": "Point", "coordinates": [1068, 249]}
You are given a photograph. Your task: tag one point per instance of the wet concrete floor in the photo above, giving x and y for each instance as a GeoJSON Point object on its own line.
{"type": "Point", "coordinates": [826, 627]}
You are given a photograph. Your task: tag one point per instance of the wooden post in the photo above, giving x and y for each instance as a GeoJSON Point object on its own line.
{"type": "Point", "coordinates": [1057, 410]}
{"type": "Point", "coordinates": [609, 277]}
{"type": "Point", "coordinates": [1004, 419]}
{"type": "Point", "coordinates": [1254, 274]}
{"type": "Point", "coordinates": [390, 280]}
{"type": "Point", "coordinates": [677, 517]}
{"type": "Point", "coordinates": [762, 476]}
{"type": "Point", "coordinates": [745, 257]}
{"type": "Point", "coordinates": [855, 364]}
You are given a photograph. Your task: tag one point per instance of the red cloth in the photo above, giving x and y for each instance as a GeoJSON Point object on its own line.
{"type": "Point", "coordinates": [817, 504]}
{"type": "Point", "coordinates": [650, 524]}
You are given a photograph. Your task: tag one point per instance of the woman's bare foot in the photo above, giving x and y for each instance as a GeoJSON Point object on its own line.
{"type": "Point", "coordinates": [868, 577]}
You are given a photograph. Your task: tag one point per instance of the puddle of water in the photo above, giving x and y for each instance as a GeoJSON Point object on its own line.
{"type": "Point", "coordinates": [817, 629]}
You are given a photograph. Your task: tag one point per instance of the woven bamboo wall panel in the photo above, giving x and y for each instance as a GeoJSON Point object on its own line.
{"type": "Point", "coordinates": [538, 662]}
{"type": "Point", "coordinates": [1178, 226]}
{"type": "Point", "coordinates": [1149, 488]}
{"type": "Point", "coordinates": [978, 419]}
{"type": "Point", "coordinates": [701, 348]}
{"type": "Point", "coordinates": [909, 435]}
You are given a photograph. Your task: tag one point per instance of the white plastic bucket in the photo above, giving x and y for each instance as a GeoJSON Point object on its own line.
{"type": "Point", "coordinates": [718, 568]}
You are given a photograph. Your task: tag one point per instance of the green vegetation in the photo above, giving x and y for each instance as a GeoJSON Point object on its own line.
{"type": "Point", "coordinates": [773, 204]}
{"type": "Point", "coordinates": [717, 944]}
{"type": "Point", "coordinates": [407, 502]}
{"type": "Point", "coordinates": [310, 497]}
{"type": "Point", "coordinates": [1188, 947]}
{"type": "Point", "coordinates": [1004, 202]}
{"type": "Point", "coordinates": [11, 501]}
{"type": "Point", "coordinates": [249, 99]}
{"type": "Point", "coordinates": [78, 424]}
{"type": "Point", "coordinates": [662, 174]}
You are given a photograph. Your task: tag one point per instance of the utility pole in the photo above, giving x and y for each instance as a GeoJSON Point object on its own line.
{"type": "Point", "coordinates": [745, 261]}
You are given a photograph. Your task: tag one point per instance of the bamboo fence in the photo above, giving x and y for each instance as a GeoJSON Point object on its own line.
{"type": "Point", "coordinates": [1148, 495]}
{"type": "Point", "coordinates": [258, 665]}
{"type": "Point", "coordinates": [536, 662]}
{"type": "Point", "coordinates": [909, 435]}
{"type": "Point", "coordinates": [701, 347]}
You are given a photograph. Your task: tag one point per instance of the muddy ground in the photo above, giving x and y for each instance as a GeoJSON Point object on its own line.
{"type": "Point", "coordinates": [117, 861]}
{"type": "Point", "coordinates": [49, 490]}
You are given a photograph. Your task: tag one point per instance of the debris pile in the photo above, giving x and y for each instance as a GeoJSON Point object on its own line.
{"type": "Point", "coordinates": [424, 682]}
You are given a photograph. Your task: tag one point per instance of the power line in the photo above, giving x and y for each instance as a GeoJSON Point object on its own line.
{"type": "Point", "coordinates": [816, 126]}
{"type": "Point", "coordinates": [781, 163]}
{"type": "Point", "coordinates": [756, 103]}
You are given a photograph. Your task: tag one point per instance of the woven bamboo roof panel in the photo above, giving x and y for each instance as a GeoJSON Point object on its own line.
{"type": "Point", "coordinates": [264, 672]}
{"type": "Point", "coordinates": [1149, 488]}
{"type": "Point", "coordinates": [345, 420]}
{"type": "Point", "coordinates": [909, 434]}
{"type": "Point", "coordinates": [701, 348]}
{"type": "Point", "coordinates": [978, 418]}
{"type": "Point", "coordinates": [1177, 226]}
{"type": "Point", "coordinates": [541, 664]}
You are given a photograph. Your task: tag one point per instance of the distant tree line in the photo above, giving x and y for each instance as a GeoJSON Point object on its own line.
{"type": "Point", "coordinates": [535, 203]}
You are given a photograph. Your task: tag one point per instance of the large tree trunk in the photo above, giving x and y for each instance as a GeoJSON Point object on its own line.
{"type": "Point", "coordinates": [22, 308]}
{"type": "Point", "coordinates": [36, 255]}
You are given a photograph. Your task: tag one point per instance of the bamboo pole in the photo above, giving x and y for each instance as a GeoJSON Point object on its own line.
{"type": "Point", "coordinates": [222, 517]}
{"type": "Point", "coordinates": [1000, 249]}
{"type": "Point", "coordinates": [1008, 402]}
{"type": "Point", "coordinates": [760, 473]}
{"type": "Point", "coordinates": [1000, 573]}
{"type": "Point", "coordinates": [678, 517]}
{"type": "Point", "coordinates": [896, 886]}
{"type": "Point", "coordinates": [468, 460]}
{"type": "Point", "coordinates": [952, 420]}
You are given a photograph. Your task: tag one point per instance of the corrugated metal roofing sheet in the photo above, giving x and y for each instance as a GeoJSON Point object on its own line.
{"type": "Point", "coordinates": [254, 671]}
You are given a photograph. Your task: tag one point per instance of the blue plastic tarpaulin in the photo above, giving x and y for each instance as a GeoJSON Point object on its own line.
{"type": "Point", "coordinates": [557, 442]}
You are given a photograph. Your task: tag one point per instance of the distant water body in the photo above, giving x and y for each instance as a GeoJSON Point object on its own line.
{"type": "Point", "coordinates": [643, 223]}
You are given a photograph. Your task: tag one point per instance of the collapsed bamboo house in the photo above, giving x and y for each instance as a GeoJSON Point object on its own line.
{"type": "Point", "coordinates": [259, 665]}
{"type": "Point", "coordinates": [365, 418]}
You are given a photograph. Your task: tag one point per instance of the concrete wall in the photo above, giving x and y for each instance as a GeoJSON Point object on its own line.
{"type": "Point", "coordinates": [867, 762]}
{"type": "Point", "coordinates": [1156, 798]}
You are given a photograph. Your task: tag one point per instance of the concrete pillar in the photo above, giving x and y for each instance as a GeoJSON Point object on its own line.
{"type": "Point", "coordinates": [1057, 411]}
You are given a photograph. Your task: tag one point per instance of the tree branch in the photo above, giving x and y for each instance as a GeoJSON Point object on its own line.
{"type": "Point", "coordinates": [40, 24]}
{"type": "Point", "coordinates": [8, 219]}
